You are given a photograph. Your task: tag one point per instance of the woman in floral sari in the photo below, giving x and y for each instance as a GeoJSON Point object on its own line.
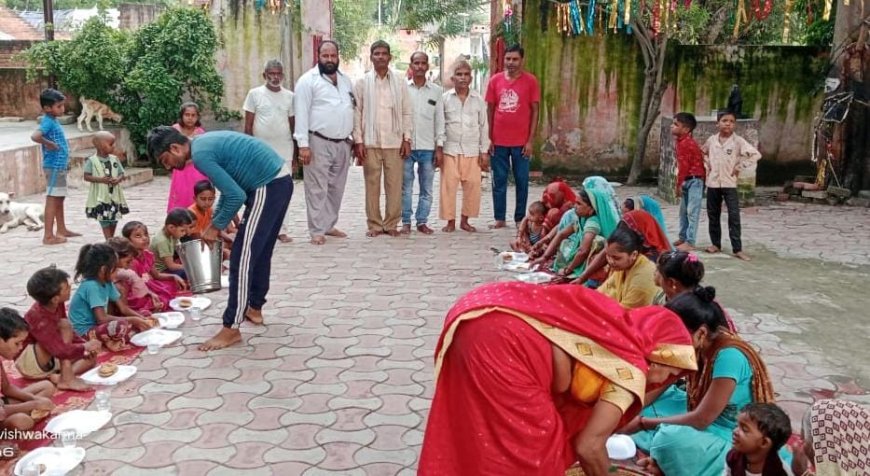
{"type": "Point", "coordinates": [531, 378]}
{"type": "Point", "coordinates": [649, 205]}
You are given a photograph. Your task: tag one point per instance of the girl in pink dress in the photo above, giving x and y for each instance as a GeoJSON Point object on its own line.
{"type": "Point", "coordinates": [183, 180]}
{"type": "Point", "coordinates": [164, 285]}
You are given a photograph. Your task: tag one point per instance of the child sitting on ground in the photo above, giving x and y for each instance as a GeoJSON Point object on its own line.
{"type": "Point", "coordinates": [105, 173]}
{"type": "Point", "coordinates": [22, 406]}
{"type": "Point", "coordinates": [88, 309]}
{"type": "Point", "coordinates": [762, 429]}
{"type": "Point", "coordinates": [726, 154]}
{"type": "Point", "coordinates": [531, 229]}
{"type": "Point", "coordinates": [52, 349]}
{"type": "Point", "coordinates": [204, 193]}
{"type": "Point", "coordinates": [165, 285]}
{"type": "Point", "coordinates": [133, 289]}
{"type": "Point", "coordinates": [175, 227]}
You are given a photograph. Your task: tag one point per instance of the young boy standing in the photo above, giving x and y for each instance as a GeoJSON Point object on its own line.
{"type": "Point", "coordinates": [762, 429]}
{"type": "Point", "coordinates": [726, 154]}
{"type": "Point", "coordinates": [52, 346]}
{"type": "Point", "coordinates": [55, 162]}
{"type": "Point", "coordinates": [690, 178]}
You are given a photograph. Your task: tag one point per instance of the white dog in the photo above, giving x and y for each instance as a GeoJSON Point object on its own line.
{"type": "Point", "coordinates": [92, 108]}
{"type": "Point", "coordinates": [13, 214]}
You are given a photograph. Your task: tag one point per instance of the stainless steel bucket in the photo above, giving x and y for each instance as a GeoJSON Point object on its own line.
{"type": "Point", "coordinates": [202, 265]}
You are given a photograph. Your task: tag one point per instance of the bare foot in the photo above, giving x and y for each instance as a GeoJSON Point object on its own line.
{"type": "Point", "coordinates": [450, 227]}
{"type": "Point", "coordinates": [498, 224]}
{"type": "Point", "coordinates": [225, 338]}
{"type": "Point", "coordinates": [712, 249]}
{"type": "Point", "coordinates": [77, 385]}
{"type": "Point", "coordinates": [53, 240]}
{"type": "Point", "coordinates": [318, 240]}
{"type": "Point", "coordinates": [373, 233]}
{"type": "Point", "coordinates": [743, 256]}
{"type": "Point", "coordinates": [335, 232]}
{"type": "Point", "coordinates": [393, 233]}
{"type": "Point", "coordinates": [68, 234]}
{"type": "Point", "coordinates": [424, 229]}
{"type": "Point", "coordinates": [254, 315]}
{"type": "Point", "coordinates": [406, 230]}
{"type": "Point", "coordinates": [284, 238]}
{"type": "Point", "coordinates": [467, 227]}
{"type": "Point", "coordinates": [685, 247]}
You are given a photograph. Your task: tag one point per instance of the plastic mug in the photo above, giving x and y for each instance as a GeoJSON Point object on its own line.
{"type": "Point", "coordinates": [102, 399]}
{"type": "Point", "coordinates": [195, 313]}
{"type": "Point", "coordinates": [68, 438]}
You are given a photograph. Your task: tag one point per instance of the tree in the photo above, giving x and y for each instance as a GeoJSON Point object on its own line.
{"type": "Point", "coordinates": [145, 75]}
{"type": "Point", "coordinates": [353, 21]}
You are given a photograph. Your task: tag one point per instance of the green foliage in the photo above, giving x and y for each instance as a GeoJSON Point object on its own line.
{"type": "Point", "coordinates": [820, 33]}
{"type": "Point", "coordinates": [144, 76]}
{"type": "Point", "coordinates": [353, 22]}
{"type": "Point", "coordinates": [692, 23]}
{"type": "Point", "coordinates": [70, 4]}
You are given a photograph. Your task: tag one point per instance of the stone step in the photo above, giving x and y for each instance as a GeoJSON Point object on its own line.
{"type": "Point", "coordinates": [77, 158]}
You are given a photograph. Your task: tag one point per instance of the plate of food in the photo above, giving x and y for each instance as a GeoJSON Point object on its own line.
{"type": "Point", "coordinates": [518, 267]}
{"type": "Point", "coordinates": [187, 302]}
{"type": "Point", "coordinates": [50, 460]}
{"type": "Point", "coordinates": [169, 320]}
{"type": "Point", "coordinates": [537, 277]}
{"type": "Point", "coordinates": [108, 374]}
{"type": "Point", "coordinates": [161, 337]}
{"type": "Point", "coordinates": [83, 422]}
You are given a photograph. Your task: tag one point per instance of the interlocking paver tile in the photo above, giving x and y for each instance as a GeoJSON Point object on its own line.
{"type": "Point", "coordinates": [325, 418]}
{"type": "Point", "coordinates": [157, 454]}
{"type": "Point", "coordinates": [214, 435]}
{"type": "Point", "coordinates": [160, 434]}
{"type": "Point", "coordinates": [360, 437]}
{"type": "Point", "coordinates": [403, 457]}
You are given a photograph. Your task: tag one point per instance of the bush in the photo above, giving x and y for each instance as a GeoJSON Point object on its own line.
{"type": "Point", "coordinates": [145, 75]}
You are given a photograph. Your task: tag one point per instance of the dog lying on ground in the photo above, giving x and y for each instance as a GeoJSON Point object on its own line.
{"type": "Point", "coordinates": [14, 214]}
{"type": "Point", "coordinates": [92, 108]}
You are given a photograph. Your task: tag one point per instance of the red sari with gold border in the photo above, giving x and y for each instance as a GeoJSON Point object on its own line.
{"type": "Point", "coordinates": [493, 410]}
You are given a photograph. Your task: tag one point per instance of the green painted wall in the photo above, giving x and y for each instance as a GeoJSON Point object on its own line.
{"type": "Point", "coordinates": [591, 93]}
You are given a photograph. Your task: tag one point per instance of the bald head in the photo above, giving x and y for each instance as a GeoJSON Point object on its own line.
{"type": "Point", "coordinates": [104, 142]}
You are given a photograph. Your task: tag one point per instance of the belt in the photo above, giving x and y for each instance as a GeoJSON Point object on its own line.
{"type": "Point", "coordinates": [690, 177]}
{"type": "Point", "coordinates": [330, 139]}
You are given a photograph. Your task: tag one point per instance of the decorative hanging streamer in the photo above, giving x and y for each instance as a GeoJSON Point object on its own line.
{"type": "Point", "coordinates": [810, 16]}
{"type": "Point", "coordinates": [576, 17]}
{"type": "Point", "coordinates": [656, 17]}
{"type": "Point", "coordinates": [613, 12]}
{"type": "Point", "coordinates": [741, 15]}
{"type": "Point", "coordinates": [590, 18]}
{"type": "Point", "coordinates": [786, 30]}
{"type": "Point", "coordinates": [826, 15]}
{"type": "Point", "coordinates": [665, 20]}
{"type": "Point", "coordinates": [627, 14]}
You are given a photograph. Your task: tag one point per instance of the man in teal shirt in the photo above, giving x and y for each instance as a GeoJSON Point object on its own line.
{"type": "Point", "coordinates": [247, 171]}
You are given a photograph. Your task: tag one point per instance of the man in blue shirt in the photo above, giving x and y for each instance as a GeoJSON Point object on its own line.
{"type": "Point", "coordinates": [247, 171]}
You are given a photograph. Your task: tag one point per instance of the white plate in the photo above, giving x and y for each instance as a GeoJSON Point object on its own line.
{"type": "Point", "coordinates": [621, 447]}
{"type": "Point", "coordinates": [160, 337]}
{"type": "Point", "coordinates": [84, 422]}
{"type": "Point", "coordinates": [535, 278]}
{"type": "Point", "coordinates": [93, 376]}
{"type": "Point", "coordinates": [518, 267]}
{"type": "Point", "coordinates": [169, 320]}
{"type": "Point", "coordinates": [56, 459]}
{"type": "Point", "coordinates": [197, 301]}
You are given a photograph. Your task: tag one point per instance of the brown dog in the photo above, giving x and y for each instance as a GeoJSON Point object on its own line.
{"type": "Point", "coordinates": [91, 108]}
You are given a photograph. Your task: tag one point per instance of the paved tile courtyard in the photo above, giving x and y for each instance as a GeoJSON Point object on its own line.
{"type": "Point", "coordinates": [340, 379]}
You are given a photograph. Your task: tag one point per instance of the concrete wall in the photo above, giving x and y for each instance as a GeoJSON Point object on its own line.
{"type": "Point", "coordinates": [250, 38]}
{"type": "Point", "coordinates": [21, 163]}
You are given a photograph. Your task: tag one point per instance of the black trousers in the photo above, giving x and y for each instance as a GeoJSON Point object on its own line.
{"type": "Point", "coordinates": [715, 196]}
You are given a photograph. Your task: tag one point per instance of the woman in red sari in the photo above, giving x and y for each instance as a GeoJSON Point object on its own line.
{"type": "Point", "coordinates": [512, 363]}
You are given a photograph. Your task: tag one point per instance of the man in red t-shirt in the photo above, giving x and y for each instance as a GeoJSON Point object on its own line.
{"type": "Point", "coordinates": [512, 98]}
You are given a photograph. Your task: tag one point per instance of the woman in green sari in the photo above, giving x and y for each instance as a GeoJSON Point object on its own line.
{"type": "Point", "coordinates": [581, 233]}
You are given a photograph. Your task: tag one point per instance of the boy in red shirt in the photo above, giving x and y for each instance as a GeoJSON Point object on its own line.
{"type": "Point", "coordinates": [513, 98]}
{"type": "Point", "coordinates": [52, 347]}
{"type": "Point", "coordinates": [690, 178]}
